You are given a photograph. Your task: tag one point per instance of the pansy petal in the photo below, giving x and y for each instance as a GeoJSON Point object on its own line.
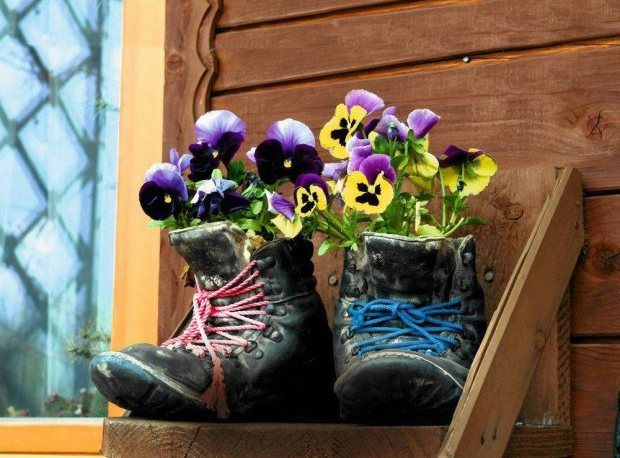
{"type": "Point", "coordinates": [484, 165]}
{"type": "Point", "coordinates": [391, 125]}
{"type": "Point", "coordinates": [421, 121]}
{"type": "Point", "coordinates": [170, 180]}
{"type": "Point", "coordinates": [369, 198]}
{"type": "Point", "coordinates": [251, 154]}
{"type": "Point", "coordinates": [424, 165]}
{"type": "Point", "coordinates": [367, 100]}
{"type": "Point", "coordinates": [375, 164]}
{"type": "Point", "coordinates": [474, 184]}
{"type": "Point", "coordinates": [334, 134]}
{"type": "Point", "coordinates": [289, 228]}
{"type": "Point", "coordinates": [308, 179]}
{"type": "Point", "coordinates": [184, 162]}
{"type": "Point", "coordinates": [421, 184]}
{"type": "Point", "coordinates": [452, 156]}
{"type": "Point", "coordinates": [212, 125]}
{"type": "Point", "coordinates": [321, 196]}
{"type": "Point", "coordinates": [334, 170]}
{"type": "Point", "coordinates": [157, 203]}
{"type": "Point", "coordinates": [290, 133]}
{"type": "Point", "coordinates": [270, 161]}
{"type": "Point", "coordinates": [305, 159]}
{"type": "Point", "coordinates": [232, 202]}
{"type": "Point", "coordinates": [279, 205]}
{"type": "Point", "coordinates": [450, 176]}
{"type": "Point", "coordinates": [228, 144]}
{"type": "Point", "coordinates": [174, 156]}
{"type": "Point", "coordinates": [359, 149]}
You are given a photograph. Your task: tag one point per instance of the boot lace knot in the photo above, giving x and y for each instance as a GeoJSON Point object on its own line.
{"type": "Point", "coordinates": [404, 326]}
{"type": "Point", "coordinates": [195, 337]}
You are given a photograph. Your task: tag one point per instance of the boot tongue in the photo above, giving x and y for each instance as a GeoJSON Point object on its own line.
{"type": "Point", "coordinates": [407, 269]}
{"type": "Point", "coordinates": [216, 252]}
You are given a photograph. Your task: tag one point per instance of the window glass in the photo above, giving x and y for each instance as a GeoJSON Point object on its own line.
{"type": "Point", "coordinates": [59, 100]}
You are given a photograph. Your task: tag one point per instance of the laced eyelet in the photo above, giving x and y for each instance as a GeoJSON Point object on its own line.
{"type": "Point", "coordinates": [250, 347]}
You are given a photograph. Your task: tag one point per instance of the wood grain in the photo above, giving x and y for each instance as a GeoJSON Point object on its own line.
{"type": "Point", "coordinates": [190, 70]}
{"type": "Point", "coordinates": [533, 108]}
{"type": "Point", "coordinates": [244, 12]}
{"type": "Point", "coordinates": [518, 331]}
{"type": "Point", "coordinates": [404, 33]}
{"type": "Point", "coordinates": [595, 385]}
{"type": "Point", "coordinates": [596, 289]}
{"type": "Point", "coordinates": [156, 439]}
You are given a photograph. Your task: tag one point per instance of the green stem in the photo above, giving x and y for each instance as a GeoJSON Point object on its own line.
{"type": "Point", "coordinates": [455, 228]}
{"type": "Point", "coordinates": [443, 200]}
{"type": "Point", "coordinates": [333, 224]}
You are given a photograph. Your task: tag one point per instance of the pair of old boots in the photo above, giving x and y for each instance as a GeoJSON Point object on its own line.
{"type": "Point", "coordinates": [407, 324]}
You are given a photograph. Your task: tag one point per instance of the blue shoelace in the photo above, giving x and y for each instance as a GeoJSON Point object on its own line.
{"type": "Point", "coordinates": [421, 324]}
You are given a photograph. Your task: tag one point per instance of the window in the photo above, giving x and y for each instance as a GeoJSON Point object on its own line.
{"type": "Point", "coordinates": [59, 143]}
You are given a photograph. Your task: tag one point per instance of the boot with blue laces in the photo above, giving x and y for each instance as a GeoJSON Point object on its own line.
{"type": "Point", "coordinates": [407, 325]}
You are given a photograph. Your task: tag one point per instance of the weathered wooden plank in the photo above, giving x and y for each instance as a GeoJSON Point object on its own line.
{"type": "Point", "coordinates": [153, 439]}
{"type": "Point", "coordinates": [518, 331]}
{"type": "Point", "coordinates": [596, 288]}
{"type": "Point", "coordinates": [244, 12]}
{"type": "Point", "coordinates": [595, 385]}
{"type": "Point", "coordinates": [404, 33]}
{"type": "Point", "coordinates": [560, 106]}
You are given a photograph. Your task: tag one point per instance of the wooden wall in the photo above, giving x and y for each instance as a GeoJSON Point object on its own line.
{"type": "Point", "coordinates": [534, 82]}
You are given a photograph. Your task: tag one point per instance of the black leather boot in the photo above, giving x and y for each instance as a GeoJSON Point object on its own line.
{"type": "Point", "coordinates": [277, 366]}
{"type": "Point", "coordinates": [407, 325]}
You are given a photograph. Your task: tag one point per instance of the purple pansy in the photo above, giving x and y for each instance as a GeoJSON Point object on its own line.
{"type": "Point", "coordinates": [216, 195]}
{"type": "Point", "coordinates": [454, 156]}
{"type": "Point", "coordinates": [163, 191]}
{"type": "Point", "coordinates": [220, 134]}
{"type": "Point", "coordinates": [372, 124]}
{"type": "Point", "coordinates": [334, 170]}
{"type": "Point", "coordinates": [391, 128]}
{"type": "Point", "coordinates": [310, 193]}
{"type": "Point", "coordinates": [373, 165]}
{"type": "Point", "coordinates": [280, 205]}
{"type": "Point", "coordinates": [287, 152]}
{"type": "Point", "coordinates": [365, 99]}
{"type": "Point", "coordinates": [359, 149]}
{"type": "Point", "coordinates": [421, 121]}
{"type": "Point", "coordinates": [181, 163]}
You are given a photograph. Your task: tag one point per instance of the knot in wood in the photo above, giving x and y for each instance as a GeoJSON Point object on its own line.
{"type": "Point", "coordinates": [514, 211]}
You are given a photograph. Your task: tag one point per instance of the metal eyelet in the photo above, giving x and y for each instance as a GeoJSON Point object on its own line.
{"type": "Point", "coordinates": [250, 347]}
{"type": "Point", "coordinates": [281, 311]}
{"type": "Point", "coordinates": [276, 336]}
{"type": "Point", "coordinates": [270, 309]}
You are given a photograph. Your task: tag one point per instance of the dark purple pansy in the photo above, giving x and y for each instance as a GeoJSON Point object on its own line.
{"type": "Point", "coordinates": [454, 156]}
{"type": "Point", "coordinates": [220, 134]}
{"type": "Point", "coordinates": [287, 152]}
{"type": "Point", "coordinates": [217, 196]}
{"type": "Point", "coordinates": [421, 121]}
{"type": "Point", "coordinates": [373, 165]}
{"type": "Point", "coordinates": [163, 191]}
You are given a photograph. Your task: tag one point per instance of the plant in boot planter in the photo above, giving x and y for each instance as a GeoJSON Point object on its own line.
{"type": "Point", "coordinates": [410, 315]}
{"type": "Point", "coordinates": [257, 344]}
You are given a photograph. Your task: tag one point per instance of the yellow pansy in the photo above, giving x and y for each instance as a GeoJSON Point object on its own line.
{"type": "Point", "coordinates": [340, 128]}
{"type": "Point", "coordinates": [468, 172]}
{"type": "Point", "coordinates": [287, 227]}
{"type": "Point", "coordinates": [367, 197]}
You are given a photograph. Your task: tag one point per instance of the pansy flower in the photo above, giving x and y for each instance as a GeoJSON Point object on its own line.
{"type": "Point", "coordinates": [163, 192]}
{"type": "Point", "coordinates": [369, 188]}
{"type": "Point", "coordinates": [216, 196]}
{"type": "Point", "coordinates": [286, 220]}
{"type": "Point", "coordinates": [468, 172]}
{"type": "Point", "coordinates": [220, 134]}
{"type": "Point", "coordinates": [287, 152]}
{"type": "Point", "coordinates": [310, 194]}
{"type": "Point", "coordinates": [347, 121]}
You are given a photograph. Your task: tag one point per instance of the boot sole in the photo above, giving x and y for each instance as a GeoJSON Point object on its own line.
{"type": "Point", "coordinates": [135, 386]}
{"type": "Point", "coordinates": [397, 387]}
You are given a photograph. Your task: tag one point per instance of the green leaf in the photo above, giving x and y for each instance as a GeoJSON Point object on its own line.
{"type": "Point", "coordinates": [256, 206]}
{"type": "Point", "coordinates": [236, 171]}
{"type": "Point", "coordinates": [217, 173]}
{"type": "Point", "coordinates": [428, 230]}
{"type": "Point", "coordinates": [326, 246]}
{"type": "Point", "coordinates": [474, 221]}
{"type": "Point", "coordinates": [155, 223]}
{"type": "Point", "coordinates": [195, 222]}
{"type": "Point", "coordinates": [381, 144]}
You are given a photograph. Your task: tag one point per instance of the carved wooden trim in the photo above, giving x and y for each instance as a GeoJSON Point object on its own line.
{"type": "Point", "coordinates": [190, 69]}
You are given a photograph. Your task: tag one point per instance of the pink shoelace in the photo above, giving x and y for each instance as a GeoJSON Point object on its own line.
{"type": "Point", "coordinates": [196, 336]}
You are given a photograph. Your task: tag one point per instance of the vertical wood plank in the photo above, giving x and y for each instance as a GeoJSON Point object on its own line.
{"type": "Point", "coordinates": [511, 348]}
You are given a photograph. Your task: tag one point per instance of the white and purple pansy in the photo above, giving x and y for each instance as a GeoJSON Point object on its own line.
{"type": "Point", "coordinates": [219, 135]}
{"type": "Point", "coordinates": [217, 195]}
{"type": "Point", "coordinates": [288, 151]}
{"type": "Point", "coordinates": [163, 192]}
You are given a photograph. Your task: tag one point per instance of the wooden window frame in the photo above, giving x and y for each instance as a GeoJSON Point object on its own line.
{"type": "Point", "coordinates": [136, 262]}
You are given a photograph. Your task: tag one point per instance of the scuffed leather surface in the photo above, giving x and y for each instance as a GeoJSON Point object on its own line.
{"type": "Point", "coordinates": [391, 385]}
